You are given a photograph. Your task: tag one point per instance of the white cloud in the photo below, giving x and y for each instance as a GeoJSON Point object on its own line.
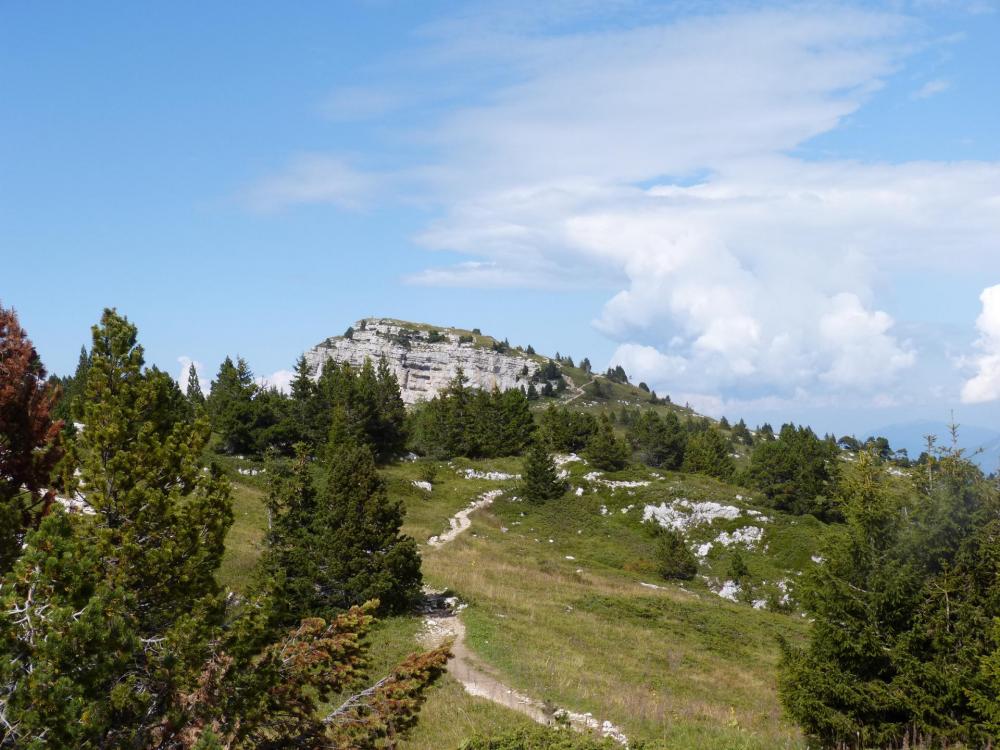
{"type": "Point", "coordinates": [656, 160]}
{"type": "Point", "coordinates": [757, 273]}
{"type": "Point", "coordinates": [281, 380]}
{"type": "Point", "coordinates": [985, 385]}
{"type": "Point", "coordinates": [931, 88]}
{"type": "Point", "coordinates": [315, 179]}
{"type": "Point", "coordinates": [204, 380]}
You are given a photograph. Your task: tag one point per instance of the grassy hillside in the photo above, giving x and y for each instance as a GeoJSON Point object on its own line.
{"type": "Point", "coordinates": [564, 604]}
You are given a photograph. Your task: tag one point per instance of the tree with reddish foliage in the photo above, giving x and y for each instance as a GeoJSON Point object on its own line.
{"type": "Point", "coordinates": [29, 438]}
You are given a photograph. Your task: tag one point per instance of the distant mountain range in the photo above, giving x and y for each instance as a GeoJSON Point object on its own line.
{"type": "Point", "coordinates": [984, 442]}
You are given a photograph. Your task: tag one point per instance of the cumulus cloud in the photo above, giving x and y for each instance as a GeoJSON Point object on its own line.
{"type": "Point", "coordinates": [657, 160]}
{"type": "Point", "coordinates": [186, 363]}
{"type": "Point", "coordinates": [985, 385]}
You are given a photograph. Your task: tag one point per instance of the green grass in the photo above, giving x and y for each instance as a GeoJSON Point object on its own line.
{"type": "Point", "coordinates": [245, 538]}
{"type": "Point", "coordinates": [674, 663]}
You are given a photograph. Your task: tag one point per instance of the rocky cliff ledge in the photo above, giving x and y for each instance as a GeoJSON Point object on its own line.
{"type": "Point", "coordinates": [425, 359]}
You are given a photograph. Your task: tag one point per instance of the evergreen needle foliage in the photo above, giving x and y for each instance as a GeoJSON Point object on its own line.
{"type": "Point", "coordinates": [339, 547]}
{"type": "Point", "coordinates": [605, 450]}
{"type": "Point", "coordinates": [540, 479]}
{"type": "Point", "coordinates": [673, 558]}
{"type": "Point", "coordinates": [707, 452]}
{"type": "Point", "coordinates": [904, 646]}
{"type": "Point", "coordinates": [113, 631]}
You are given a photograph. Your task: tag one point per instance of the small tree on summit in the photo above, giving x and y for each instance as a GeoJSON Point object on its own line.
{"type": "Point", "coordinates": [540, 478]}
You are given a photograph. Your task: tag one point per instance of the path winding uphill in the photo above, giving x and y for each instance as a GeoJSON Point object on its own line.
{"type": "Point", "coordinates": [442, 622]}
{"type": "Point", "coordinates": [460, 521]}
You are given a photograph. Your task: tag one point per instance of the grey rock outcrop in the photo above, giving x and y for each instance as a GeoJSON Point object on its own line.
{"type": "Point", "coordinates": [423, 362]}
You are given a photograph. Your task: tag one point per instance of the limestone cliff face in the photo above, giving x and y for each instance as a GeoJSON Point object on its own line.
{"type": "Point", "coordinates": [423, 362]}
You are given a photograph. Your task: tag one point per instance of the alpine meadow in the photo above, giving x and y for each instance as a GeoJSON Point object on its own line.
{"type": "Point", "coordinates": [758, 506]}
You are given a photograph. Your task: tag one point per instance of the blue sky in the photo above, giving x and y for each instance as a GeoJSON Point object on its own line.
{"type": "Point", "coordinates": [771, 210]}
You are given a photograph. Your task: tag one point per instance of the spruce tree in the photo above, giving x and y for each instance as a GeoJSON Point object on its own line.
{"type": "Point", "coordinates": [194, 393]}
{"type": "Point", "coordinates": [659, 441]}
{"type": "Point", "coordinates": [539, 478]}
{"type": "Point", "coordinates": [797, 472]}
{"type": "Point", "coordinates": [68, 407]}
{"type": "Point", "coordinates": [707, 452]}
{"type": "Point", "coordinates": [605, 450]}
{"type": "Point", "coordinates": [341, 546]}
{"type": "Point", "coordinates": [230, 406]}
{"type": "Point", "coordinates": [390, 435]}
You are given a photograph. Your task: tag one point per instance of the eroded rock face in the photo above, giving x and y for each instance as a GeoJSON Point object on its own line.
{"type": "Point", "coordinates": [423, 367]}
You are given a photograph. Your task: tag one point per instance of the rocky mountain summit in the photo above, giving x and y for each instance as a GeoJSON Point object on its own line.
{"type": "Point", "coordinates": [425, 358]}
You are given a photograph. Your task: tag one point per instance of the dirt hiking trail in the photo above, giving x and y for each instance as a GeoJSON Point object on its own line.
{"type": "Point", "coordinates": [442, 622]}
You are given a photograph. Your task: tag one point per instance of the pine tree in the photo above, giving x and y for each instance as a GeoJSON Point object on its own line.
{"type": "Point", "coordinates": [390, 436]}
{"type": "Point", "coordinates": [29, 438]}
{"type": "Point", "coordinates": [122, 613]}
{"type": "Point", "coordinates": [605, 450]}
{"type": "Point", "coordinates": [540, 478]}
{"type": "Point", "coordinates": [797, 472]}
{"type": "Point", "coordinates": [673, 558]}
{"type": "Point", "coordinates": [660, 441]}
{"type": "Point", "coordinates": [342, 546]}
{"type": "Point", "coordinates": [230, 406]}
{"type": "Point", "coordinates": [194, 393]}
{"type": "Point", "coordinates": [708, 453]}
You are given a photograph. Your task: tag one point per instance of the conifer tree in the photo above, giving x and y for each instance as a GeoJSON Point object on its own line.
{"type": "Point", "coordinates": [659, 441]}
{"type": "Point", "coordinates": [797, 471]}
{"type": "Point", "coordinates": [68, 406]}
{"type": "Point", "coordinates": [113, 631]}
{"type": "Point", "coordinates": [194, 394]}
{"type": "Point", "coordinates": [119, 621]}
{"type": "Point", "coordinates": [565, 430]}
{"type": "Point", "coordinates": [29, 438]}
{"type": "Point", "coordinates": [230, 406]}
{"type": "Point", "coordinates": [708, 453]}
{"type": "Point", "coordinates": [390, 435]}
{"type": "Point", "coordinates": [342, 546]}
{"type": "Point", "coordinates": [605, 450]}
{"type": "Point", "coordinates": [741, 433]}
{"type": "Point", "coordinates": [540, 478]}
{"type": "Point", "coordinates": [673, 558]}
